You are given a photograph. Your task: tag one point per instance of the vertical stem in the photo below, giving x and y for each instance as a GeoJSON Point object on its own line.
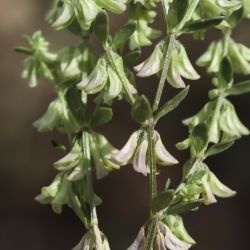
{"type": "Point", "coordinates": [87, 165]}
{"type": "Point", "coordinates": [169, 50]}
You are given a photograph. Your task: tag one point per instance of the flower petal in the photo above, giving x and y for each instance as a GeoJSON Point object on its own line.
{"type": "Point", "coordinates": [139, 241]}
{"type": "Point", "coordinates": [123, 156]}
{"type": "Point", "coordinates": [139, 162]}
{"type": "Point", "coordinates": [162, 155]}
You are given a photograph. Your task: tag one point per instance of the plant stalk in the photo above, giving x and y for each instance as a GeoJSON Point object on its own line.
{"type": "Point", "coordinates": [169, 50]}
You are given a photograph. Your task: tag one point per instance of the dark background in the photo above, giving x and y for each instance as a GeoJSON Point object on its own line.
{"type": "Point", "coordinates": [26, 156]}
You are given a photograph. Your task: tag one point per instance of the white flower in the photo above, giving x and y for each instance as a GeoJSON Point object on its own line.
{"type": "Point", "coordinates": [136, 149]}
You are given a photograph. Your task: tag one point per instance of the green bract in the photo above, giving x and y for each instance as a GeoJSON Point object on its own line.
{"type": "Point", "coordinates": [88, 82]}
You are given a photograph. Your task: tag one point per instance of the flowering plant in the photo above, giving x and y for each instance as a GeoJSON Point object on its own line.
{"type": "Point", "coordinates": [78, 72]}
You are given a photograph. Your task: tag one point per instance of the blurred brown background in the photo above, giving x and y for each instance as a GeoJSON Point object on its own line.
{"type": "Point", "coordinates": [26, 156]}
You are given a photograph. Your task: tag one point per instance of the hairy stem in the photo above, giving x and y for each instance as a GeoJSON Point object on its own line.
{"type": "Point", "coordinates": [87, 165]}
{"type": "Point", "coordinates": [169, 50]}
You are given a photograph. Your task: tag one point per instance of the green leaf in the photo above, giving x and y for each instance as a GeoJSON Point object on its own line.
{"type": "Point", "coordinates": [74, 100]}
{"type": "Point", "coordinates": [123, 34]}
{"type": "Point", "coordinates": [101, 26]}
{"type": "Point", "coordinates": [240, 88]}
{"type": "Point", "coordinates": [23, 50]}
{"type": "Point", "coordinates": [141, 109]}
{"type": "Point", "coordinates": [235, 17]}
{"type": "Point", "coordinates": [102, 116]}
{"type": "Point", "coordinates": [225, 74]}
{"type": "Point", "coordinates": [183, 207]}
{"type": "Point", "coordinates": [172, 104]}
{"type": "Point", "coordinates": [177, 11]}
{"type": "Point", "coordinates": [219, 148]}
{"type": "Point", "coordinates": [162, 200]}
{"type": "Point", "coordinates": [132, 57]}
{"type": "Point", "coordinates": [199, 140]}
{"type": "Point", "coordinates": [202, 25]}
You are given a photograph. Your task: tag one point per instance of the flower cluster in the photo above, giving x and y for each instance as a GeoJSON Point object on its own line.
{"type": "Point", "coordinates": [135, 151]}
{"type": "Point", "coordinates": [238, 54]}
{"type": "Point", "coordinates": [180, 65]}
{"type": "Point", "coordinates": [64, 13]}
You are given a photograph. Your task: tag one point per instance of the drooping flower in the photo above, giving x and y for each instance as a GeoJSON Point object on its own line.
{"type": "Point", "coordinates": [104, 76]}
{"type": "Point", "coordinates": [238, 54]}
{"type": "Point", "coordinates": [165, 239]}
{"type": "Point", "coordinates": [180, 65]}
{"type": "Point", "coordinates": [84, 11]}
{"type": "Point", "coordinates": [136, 149]}
{"type": "Point", "coordinates": [206, 187]}
{"type": "Point", "coordinates": [93, 239]}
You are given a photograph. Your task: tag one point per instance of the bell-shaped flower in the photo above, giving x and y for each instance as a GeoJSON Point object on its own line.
{"type": "Point", "coordinates": [136, 149]}
{"type": "Point", "coordinates": [153, 64]}
{"type": "Point", "coordinates": [101, 151]}
{"type": "Point", "coordinates": [56, 193]}
{"type": "Point", "coordinates": [176, 225]}
{"type": "Point", "coordinates": [39, 62]}
{"type": "Point", "coordinates": [57, 116]}
{"type": "Point", "coordinates": [213, 187]}
{"type": "Point", "coordinates": [163, 157]}
{"type": "Point", "coordinates": [93, 239]}
{"type": "Point", "coordinates": [165, 239]}
{"type": "Point", "coordinates": [84, 11]}
{"type": "Point", "coordinates": [180, 66]}
{"type": "Point", "coordinates": [143, 34]}
{"type": "Point", "coordinates": [104, 76]}
{"type": "Point", "coordinates": [96, 80]}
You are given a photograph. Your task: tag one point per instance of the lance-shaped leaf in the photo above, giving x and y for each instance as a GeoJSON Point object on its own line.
{"type": "Point", "coordinates": [219, 148]}
{"type": "Point", "coordinates": [74, 100]}
{"type": "Point", "coordinates": [101, 27]}
{"type": "Point", "coordinates": [239, 88]}
{"type": "Point", "coordinates": [102, 116]}
{"type": "Point", "coordinates": [177, 11]}
{"type": "Point", "coordinates": [184, 206]}
{"type": "Point", "coordinates": [224, 78]}
{"type": "Point", "coordinates": [162, 200]}
{"type": "Point", "coordinates": [199, 140]}
{"type": "Point", "coordinates": [141, 109]}
{"type": "Point", "coordinates": [202, 25]}
{"type": "Point", "coordinates": [172, 104]}
{"type": "Point", "coordinates": [123, 34]}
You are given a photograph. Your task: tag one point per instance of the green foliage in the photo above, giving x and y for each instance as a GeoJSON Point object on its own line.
{"type": "Point", "coordinates": [80, 72]}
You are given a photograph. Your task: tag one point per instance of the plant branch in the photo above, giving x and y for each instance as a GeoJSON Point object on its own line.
{"type": "Point", "coordinates": [169, 50]}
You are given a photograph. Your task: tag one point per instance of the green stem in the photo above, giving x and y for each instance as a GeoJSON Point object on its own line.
{"type": "Point", "coordinates": [169, 50]}
{"type": "Point", "coordinates": [122, 77]}
{"type": "Point", "coordinates": [87, 165]}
